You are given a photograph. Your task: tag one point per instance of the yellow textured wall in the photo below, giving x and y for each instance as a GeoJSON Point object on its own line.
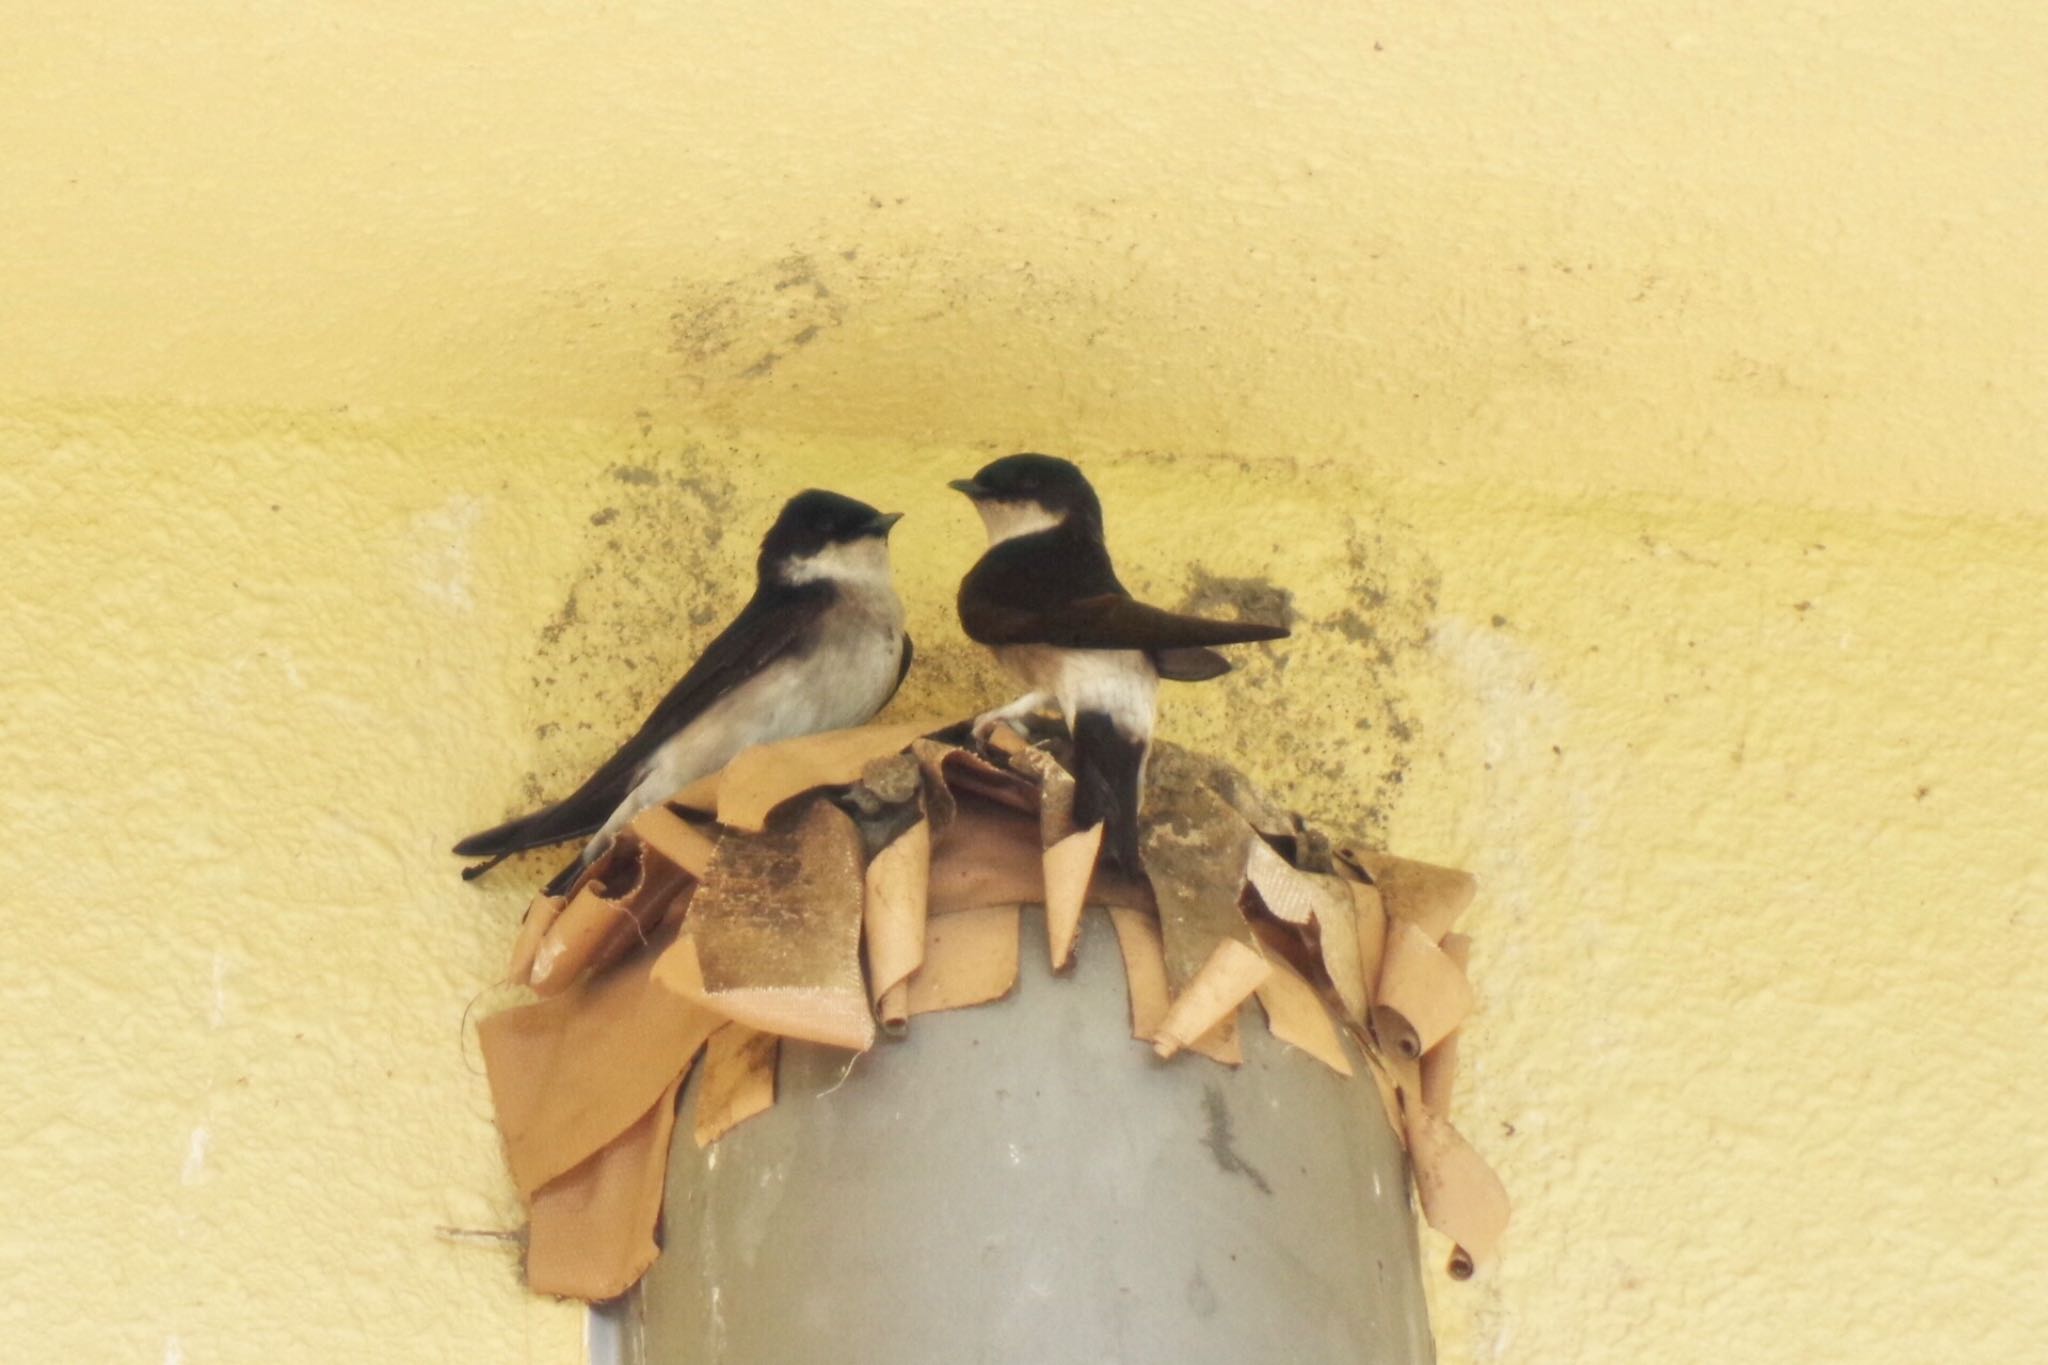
{"type": "Point", "coordinates": [1643, 406]}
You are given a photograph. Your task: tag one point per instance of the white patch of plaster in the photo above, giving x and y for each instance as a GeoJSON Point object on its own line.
{"type": "Point", "coordinates": [222, 692]}
{"type": "Point", "coordinates": [222, 689]}
{"type": "Point", "coordinates": [174, 1351]}
{"type": "Point", "coordinates": [1518, 714]}
{"type": "Point", "coordinates": [442, 551]}
{"type": "Point", "coordinates": [195, 1156]}
{"type": "Point", "coordinates": [1515, 717]}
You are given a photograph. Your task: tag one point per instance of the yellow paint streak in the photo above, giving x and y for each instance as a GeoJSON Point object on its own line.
{"type": "Point", "coordinates": [1643, 410]}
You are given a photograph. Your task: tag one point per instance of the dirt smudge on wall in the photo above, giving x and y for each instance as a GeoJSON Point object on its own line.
{"type": "Point", "coordinates": [659, 575]}
{"type": "Point", "coordinates": [1346, 752]}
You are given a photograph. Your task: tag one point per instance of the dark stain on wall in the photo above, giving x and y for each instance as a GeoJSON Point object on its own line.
{"type": "Point", "coordinates": [741, 329]}
{"type": "Point", "coordinates": [1250, 599]}
{"type": "Point", "coordinates": [1342, 753]}
{"type": "Point", "coordinates": [659, 576]}
{"type": "Point", "coordinates": [1394, 593]}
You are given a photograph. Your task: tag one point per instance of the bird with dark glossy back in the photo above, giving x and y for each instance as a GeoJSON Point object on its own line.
{"type": "Point", "coordinates": [820, 646]}
{"type": "Point", "coordinates": [1045, 598]}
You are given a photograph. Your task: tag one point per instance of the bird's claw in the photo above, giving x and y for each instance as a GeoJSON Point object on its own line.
{"type": "Point", "coordinates": [985, 723]}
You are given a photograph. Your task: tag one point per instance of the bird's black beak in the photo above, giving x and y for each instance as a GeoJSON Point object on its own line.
{"type": "Point", "coordinates": [883, 521]}
{"type": "Point", "coordinates": [967, 486]}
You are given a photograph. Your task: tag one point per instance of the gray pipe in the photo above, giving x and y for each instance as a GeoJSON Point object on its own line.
{"type": "Point", "coordinates": [1022, 1182]}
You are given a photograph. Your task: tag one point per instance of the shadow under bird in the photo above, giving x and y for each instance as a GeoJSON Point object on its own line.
{"type": "Point", "coordinates": [1045, 598]}
{"type": "Point", "coordinates": [820, 646]}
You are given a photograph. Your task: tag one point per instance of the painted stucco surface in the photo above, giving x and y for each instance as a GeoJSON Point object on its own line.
{"type": "Point", "coordinates": [1638, 412]}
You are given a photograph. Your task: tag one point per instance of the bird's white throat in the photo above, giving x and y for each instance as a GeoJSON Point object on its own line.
{"type": "Point", "coordinates": [862, 563]}
{"type": "Point", "coordinates": [1008, 520]}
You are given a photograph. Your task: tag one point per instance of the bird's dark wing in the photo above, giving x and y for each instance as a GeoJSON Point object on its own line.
{"type": "Point", "coordinates": [1189, 665]}
{"type": "Point", "coordinates": [1057, 588]}
{"type": "Point", "coordinates": [1112, 622]}
{"type": "Point", "coordinates": [902, 668]}
{"type": "Point", "coordinates": [771, 625]}
{"type": "Point", "coordinates": [1027, 576]}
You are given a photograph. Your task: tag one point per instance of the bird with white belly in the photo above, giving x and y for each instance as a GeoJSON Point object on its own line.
{"type": "Point", "coordinates": [820, 646]}
{"type": "Point", "coordinates": [1045, 598]}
